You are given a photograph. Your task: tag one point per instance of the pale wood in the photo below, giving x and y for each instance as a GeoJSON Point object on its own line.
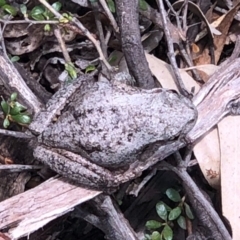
{"type": "Point", "coordinates": [31, 210]}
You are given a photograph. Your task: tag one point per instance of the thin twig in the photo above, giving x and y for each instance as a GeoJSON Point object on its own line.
{"type": "Point", "coordinates": [51, 9]}
{"type": "Point", "coordinates": [110, 16]}
{"type": "Point", "coordinates": [15, 134]}
{"type": "Point", "coordinates": [77, 23]}
{"type": "Point", "coordinates": [185, 10]}
{"type": "Point", "coordinates": [95, 6]}
{"type": "Point", "coordinates": [171, 55]}
{"type": "Point", "coordinates": [172, 10]}
{"type": "Point", "coordinates": [62, 44]}
{"type": "Point", "coordinates": [13, 168]}
{"type": "Point", "coordinates": [9, 22]}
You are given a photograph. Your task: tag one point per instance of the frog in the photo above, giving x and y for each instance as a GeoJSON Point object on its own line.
{"type": "Point", "coordinates": [92, 131]}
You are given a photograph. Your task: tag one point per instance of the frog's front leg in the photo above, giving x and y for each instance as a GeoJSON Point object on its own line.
{"type": "Point", "coordinates": [77, 168]}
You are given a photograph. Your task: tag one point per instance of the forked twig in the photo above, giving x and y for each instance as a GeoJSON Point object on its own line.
{"type": "Point", "coordinates": [171, 55]}
{"type": "Point", "coordinates": [77, 23]}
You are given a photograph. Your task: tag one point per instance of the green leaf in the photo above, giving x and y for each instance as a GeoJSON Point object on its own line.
{"type": "Point", "coordinates": [143, 5]}
{"type": "Point", "coordinates": [111, 6]}
{"type": "Point", "coordinates": [23, 9]}
{"type": "Point", "coordinates": [173, 195]}
{"type": "Point", "coordinates": [167, 207]}
{"type": "Point", "coordinates": [188, 211]}
{"type": "Point", "coordinates": [152, 224]}
{"type": "Point", "coordinates": [90, 68]}
{"type": "Point", "coordinates": [38, 17]}
{"type": "Point", "coordinates": [161, 210]}
{"type": "Point", "coordinates": [156, 236]}
{"type": "Point", "coordinates": [13, 96]}
{"type": "Point", "coordinates": [182, 222]}
{"type": "Point", "coordinates": [15, 58]}
{"type": "Point", "coordinates": [15, 111]}
{"type": "Point", "coordinates": [2, 2]}
{"type": "Point", "coordinates": [57, 6]}
{"type": "Point", "coordinates": [37, 10]}
{"type": "Point", "coordinates": [19, 105]}
{"type": "Point", "coordinates": [69, 67]}
{"type": "Point", "coordinates": [175, 213]}
{"type": "Point", "coordinates": [167, 233]}
{"type": "Point", "coordinates": [21, 119]}
{"type": "Point", "coordinates": [6, 123]}
{"type": "Point", "coordinates": [67, 16]}
{"type": "Point", "coordinates": [112, 59]}
{"type": "Point", "coordinates": [10, 9]}
{"type": "Point", "coordinates": [5, 107]}
{"type": "Point", "coordinates": [147, 237]}
{"type": "Point", "coordinates": [47, 28]}
{"type": "Point", "coordinates": [37, 13]}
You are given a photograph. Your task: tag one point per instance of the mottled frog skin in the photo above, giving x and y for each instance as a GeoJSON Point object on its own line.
{"type": "Point", "coordinates": [112, 124]}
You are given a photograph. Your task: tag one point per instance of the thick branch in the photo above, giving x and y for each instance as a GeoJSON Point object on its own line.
{"type": "Point", "coordinates": [132, 48]}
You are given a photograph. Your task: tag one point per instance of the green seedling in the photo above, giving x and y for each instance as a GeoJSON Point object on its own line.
{"type": "Point", "coordinates": [41, 13]}
{"type": "Point", "coordinates": [10, 10]}
{"type": "Point", "coordinates": [71, 70]}
{"type": "Point", "coordinates": [14, 112]}
{"type": "Point", "coordinates": [162, 229]}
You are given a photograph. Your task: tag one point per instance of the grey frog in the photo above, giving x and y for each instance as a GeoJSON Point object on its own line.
{"type": "Point", "coordinates": [104, 125]}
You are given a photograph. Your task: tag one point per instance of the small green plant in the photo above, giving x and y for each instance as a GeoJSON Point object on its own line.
{"type": "Point", "coordinates": [14, 58]}
{"type": "Point", "coordinates": [71, 70]}
{"type": "Point", "coordinates": [162, 230]}
{"type": "Point", "coordinates": [41, 13]}
{"type": "Point", "coordinates": [14, 112]}
{"type": "Point", "coordinates": [90, 68]}
{"type": "Point", "coordinates": [143, 5]}
{"type": "Point", "coordinates": [111, 6]}
{"type": "Point", "coordinates": [8, 8]}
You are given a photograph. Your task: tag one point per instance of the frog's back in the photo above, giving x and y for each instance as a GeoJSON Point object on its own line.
{"type": "Point", "coordinates": [114, 123]}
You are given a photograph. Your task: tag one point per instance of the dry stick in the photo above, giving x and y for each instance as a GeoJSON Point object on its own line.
{"type": "Point", "coordinates": [189, 62]}
{"type": "Point", "coordinates": [27, 212]}
{"type": "Point", "coordinates": [108, 35]}
{"type": "Point", "coordinates": [12, 168]}
{"type": "Point", "coordinates": [172, 10]}
{"type": "Point", "coordinates": [183, 30]}
{"type": "Point", "coordinates": [213, 221]}
{"type": "Point", "coordinates": [185, 10]}
{"type": "Point", "coordinates": [2, 28]}
{"type": "Point", "coordinates": [128, 18]}
{"type": "Point", "coordinates": [62, 44]}
{"type": "Point", "coordinates": [109, 218]}
{"type": "Point", "coordinates": [15, 134]}
{"type": "Point", "coordinates": [77, 23]}
{"type": "Point", "coordinates": [9, 22]}
{"type": "Point", "coordinates": [171, 55]}
{"type": "Point", "coordinates": [99, 28]}
{"type": "Point", "coordinates": [110, 16]}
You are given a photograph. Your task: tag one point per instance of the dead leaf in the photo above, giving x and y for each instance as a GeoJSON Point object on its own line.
{"type": "Point", "coordinates": [219, 40]}
{"type": "Point", "coordinates": [163, 72]}
{"type": "Point", "coordinates": [207, 153]}
{"type": "Point", "coordinates": [229, 132]}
